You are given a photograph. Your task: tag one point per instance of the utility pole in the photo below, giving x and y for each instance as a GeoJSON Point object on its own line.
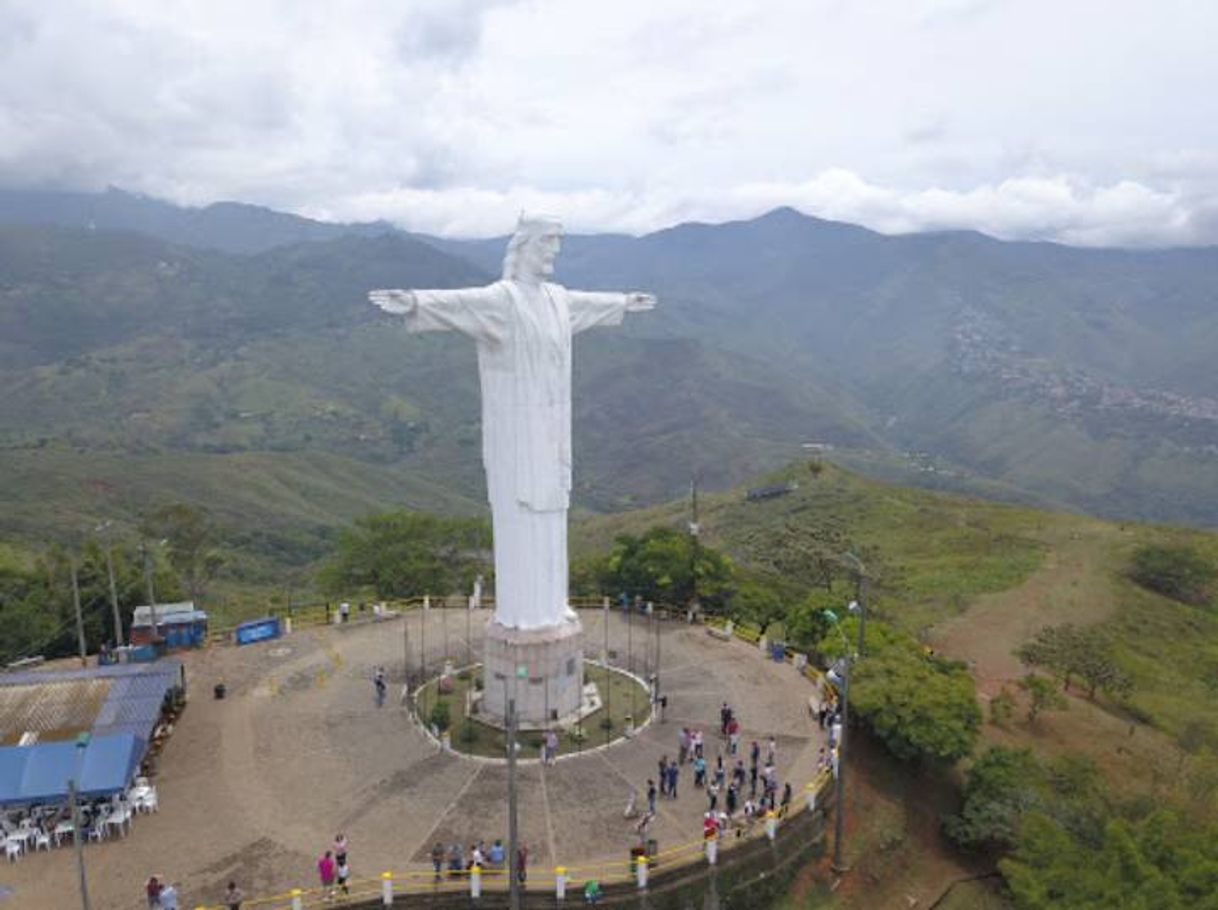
{"type": "Point", "coordinates": [82, 743]}
{"type": "Point", "coordinates": [118, 622]}
{"type": "Point", "coordinates": [513, 844]}
{"type": "Point", "coordinates": [839, 814]}
{"type": "Point", "coordinates": [80, 623]}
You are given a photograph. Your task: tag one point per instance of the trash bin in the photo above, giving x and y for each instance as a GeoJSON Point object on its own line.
{"type": "Point", "coordinates": [221, 690]}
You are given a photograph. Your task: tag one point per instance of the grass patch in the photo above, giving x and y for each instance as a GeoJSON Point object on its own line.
{"type": "Point", "coordinates": [621, 696]}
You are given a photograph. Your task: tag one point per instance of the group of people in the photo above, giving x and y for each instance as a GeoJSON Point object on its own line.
{"type": "Point", "coordinates": [334, 868]}
{"type": "Point", "coordinates": [163, 895]}
{"type": "Point", "coordinates": [459, 860]}
{"type": "Point", "coordinates": [730, 786]}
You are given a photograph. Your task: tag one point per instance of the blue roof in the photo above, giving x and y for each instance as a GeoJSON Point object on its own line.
{"type": "Point", "coordinates": [40, 773]}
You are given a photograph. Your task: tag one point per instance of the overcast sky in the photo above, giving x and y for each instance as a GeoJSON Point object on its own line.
{"type": "Point", "coordinates": [1085, 122]}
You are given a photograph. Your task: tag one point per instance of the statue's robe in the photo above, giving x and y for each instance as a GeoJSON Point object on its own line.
{"type": "Point", "coordinates": [523, 332]}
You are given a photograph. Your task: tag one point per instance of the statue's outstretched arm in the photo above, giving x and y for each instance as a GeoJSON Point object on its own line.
{"type": "Point", "coordinates": [593, 308]}
{"type": "Point", "coordinates": [480, 313]}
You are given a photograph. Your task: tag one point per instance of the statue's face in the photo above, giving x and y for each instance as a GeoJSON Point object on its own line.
{"type": "Point", "coordinates": [544, 250]}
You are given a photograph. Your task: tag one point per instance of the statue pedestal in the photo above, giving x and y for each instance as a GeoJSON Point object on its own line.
{"type": "Point", "coordinates": [543, 669]}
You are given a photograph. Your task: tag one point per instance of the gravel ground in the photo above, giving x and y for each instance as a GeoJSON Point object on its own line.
{"type": "Point", "coordinates": [253, 787]}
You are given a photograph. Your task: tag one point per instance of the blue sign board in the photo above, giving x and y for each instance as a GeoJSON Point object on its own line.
{"type": "Point", "coordinates": [258, 630]}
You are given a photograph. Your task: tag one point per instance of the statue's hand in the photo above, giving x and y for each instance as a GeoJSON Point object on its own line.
{"type": "Point", "coordinates": [399, 302]}
{"type": "Point", "coordinates": [638, 303]}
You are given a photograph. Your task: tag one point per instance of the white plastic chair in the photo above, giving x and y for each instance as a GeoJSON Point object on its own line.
{"type": "Point", "coordinates": [42, 840]}
{"type": "Point", "coordinates": [14, 849]}
{"type": "Point", "coordinates": [147, 801]}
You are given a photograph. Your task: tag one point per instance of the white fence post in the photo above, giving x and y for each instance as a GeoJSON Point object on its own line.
{"type": "Point", "coordinates": [712, 850]}
{"type": "Point", "coordinates": [641, 871]}
{"type": "Point", "coordinates": [771, 825]}
{"type": "Point", "coordinates": [475, 882]}
{"type": "Point", "coordinates": [810, 791]}
{"type": "Point", "coordinates": [297, 899]}
{"type": "Point", "coordinates": [560, 883]}
{"type": "Point", "coordinates": [387, 888]}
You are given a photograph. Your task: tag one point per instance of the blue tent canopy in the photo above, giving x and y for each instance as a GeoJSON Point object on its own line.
{"type": "Point", "coordinates": [40, 773]}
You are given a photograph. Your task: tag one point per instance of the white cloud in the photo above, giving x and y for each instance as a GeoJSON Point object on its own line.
{"type": "Point", "coordinates": [1090, 122]}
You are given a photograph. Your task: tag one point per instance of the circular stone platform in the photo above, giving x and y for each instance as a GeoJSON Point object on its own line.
{"type": "Point", "coordinates": [254, 787]}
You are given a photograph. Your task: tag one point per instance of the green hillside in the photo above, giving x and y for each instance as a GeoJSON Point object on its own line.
{"type": "Point", "coordinates": [972, 576]}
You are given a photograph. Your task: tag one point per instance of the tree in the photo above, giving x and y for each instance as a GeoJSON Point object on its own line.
{"type": "Point", "coordinates": [397, 554]}
{"type": "Point", "coordinates": [191, 539]}
{"type": "Point", "coordinates": [1161, 861]}
{"type": "Point", "coordinates": [1068, 651]}
{"type": "Point", "coordinates": [1042, 696]}
{"type": "Point", "coordinates": [662, 566]}
{"type": "Point", "coordinates": [1174, 571]}
{"type": "Point", "coordinates": [922, 707]}
{"type": "Point", "coordinates": [1000, 787]}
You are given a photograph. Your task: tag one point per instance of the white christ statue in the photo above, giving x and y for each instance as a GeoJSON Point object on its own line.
{"type": "Point", "coordinates": [523, 326]}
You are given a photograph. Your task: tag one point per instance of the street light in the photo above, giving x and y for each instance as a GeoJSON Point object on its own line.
{"type": "Point", "coordinates": [82, 743]}
{"type": "Point", "coordinates": [861, 585]}
{"type": "Point", "coordinates": [857, 608]}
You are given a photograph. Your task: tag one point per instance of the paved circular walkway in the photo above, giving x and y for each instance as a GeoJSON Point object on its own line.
{"type": "Point", "coordinates": [253, 787]}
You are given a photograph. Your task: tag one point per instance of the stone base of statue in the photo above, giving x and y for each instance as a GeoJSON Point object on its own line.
{"type": "Point", "coordinates": [543, 669]}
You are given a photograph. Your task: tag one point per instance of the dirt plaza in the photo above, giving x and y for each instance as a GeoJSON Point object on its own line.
{"type": "Point", "coordinates": [255, 786]}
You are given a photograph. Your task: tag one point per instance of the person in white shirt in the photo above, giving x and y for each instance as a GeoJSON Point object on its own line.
{"type": "Point", "coordinates": [169, 897]}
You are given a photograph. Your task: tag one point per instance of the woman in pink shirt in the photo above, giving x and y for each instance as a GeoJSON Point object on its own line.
{"type": "Point", "coordinates": [325, 870]}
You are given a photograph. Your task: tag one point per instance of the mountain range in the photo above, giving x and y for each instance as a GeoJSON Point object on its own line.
{"type": "Point", "coordinates": [228, 354]}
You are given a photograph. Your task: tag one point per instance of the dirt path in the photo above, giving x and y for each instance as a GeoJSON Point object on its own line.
{"type": "Point", "coordinates": [1073, 585]}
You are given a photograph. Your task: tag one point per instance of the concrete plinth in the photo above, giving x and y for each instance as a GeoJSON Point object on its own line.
{"type": "Point", "coordinates": [543, 669]}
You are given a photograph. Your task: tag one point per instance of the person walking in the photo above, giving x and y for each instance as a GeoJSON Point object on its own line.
{"type": "Point", "coordinates": [169, 897]}
{"type": "Point", "coordinates": [522, 864]}
{"type": "Point", "coordinates": [233, 897]}
{"type": "Point", "coordinates": [152, 891]}
{"type": "Point", "coordinates": [699, 771]}
{"type": "Point", "coordinates": [786, 799]}
{"type": "Point", "coordinates": [663, 775]}
{"type": "Point", "coordinates": [732, 796]}
{"type": "Point", "coordinates": [754, 753]}
{"type": "Point", "coordinates": [682, 745]}
{"type": "Point", "coordinates": [733, 736]}
{"type": "Point", "coordinates": [344, 873]}
{"type": "Point", "coordinates": [712, 796]}
{"type": "Point", "coordinates": [437, 859]}
{"type": "Point", "coordinates": [753, 780]}
{"type": "Point", "coordinates": [725, 715]}
{"type": "Point", "coordinates": [771, 751]}
{"type": "Point", "coordinates": [379, 684]}
{"type": "Point", "coordinates": [325, 872]}
{"type": "Point", "coordinates": [651, 795]}
{"type": "Point", "coordinates": [673, 771]}
{"type": "Point", "coordinates": [340, 848]}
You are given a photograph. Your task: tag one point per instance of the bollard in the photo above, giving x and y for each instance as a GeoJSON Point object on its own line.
{"type": "Point", "coordinates": [297, 899]}
{"type": "Point", "coordinates": [641, 872]}
{"type": "Point", "coordinates": [810, 793]}
{"type": "Point", "coordinates": [426, 601]}
{"type": "Point", "coordinates": [771, 824]}
{"type": "Point", "coordinates": [287, 625]}
{"type": "Point", "coordinates": [387, 889]}
{"type": "Point", "coordinates": [475, 882]}
{"type": "Point", "coordinates": [560, 882]}
{"type": "Point", "coordinates": [712, 850]}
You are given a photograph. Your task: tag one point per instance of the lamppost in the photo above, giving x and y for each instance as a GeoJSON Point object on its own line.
{"type": "Point", "coordinates": [840, 765]}
{"type": "Point", "coordinates": [82, 743]}
{"type": "Point", "coordinates": [861, 585]}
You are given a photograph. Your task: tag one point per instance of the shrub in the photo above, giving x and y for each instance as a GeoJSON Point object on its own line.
{"type": "Point", "coordinates": [1176, 572]}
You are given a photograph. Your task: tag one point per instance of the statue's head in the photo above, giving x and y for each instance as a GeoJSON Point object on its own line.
{"type": "Point", "coordinates": [531, 251]}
